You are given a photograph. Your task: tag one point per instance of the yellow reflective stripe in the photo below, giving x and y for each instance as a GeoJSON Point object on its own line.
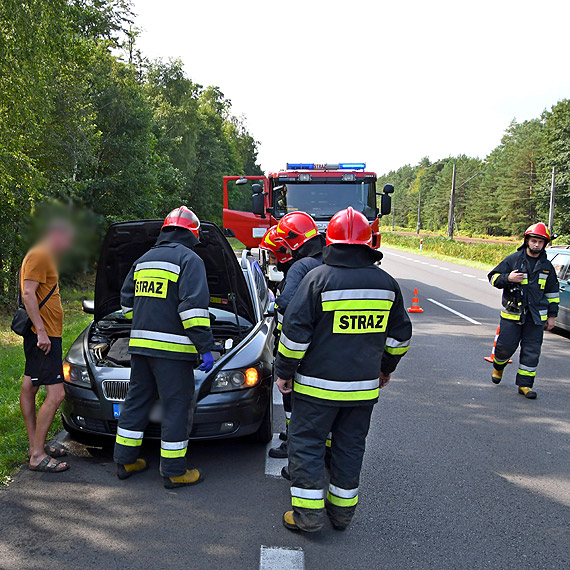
{"type": "Point", "coordinates": [196, 322]}
{"type": "Point", "coordinates": [335, 394]}
{"type": "Point", "coordinates": [543, 317]}
{"type": "Point", "coordinates": [500, 362]}
{"type": "Point", "coordinates": [308, 503]}
{"type": "Point", "coordinates": [279, 326]}
{"type": "Point", "coordinates": [128, 441]}
{"type": "Point", "coordinates": [173, 453]}
{"type": "Point", "coordinates": [156, 273]}
{"type": "Point", "coordinates": [542, 283]}
{"type": "Point", "coordinates": [311, 233]}
{"type": "Point", "coordinates": [297, 354]}
{"type": "Point", "coordinates": [526, 372]}
{"type": "Point", "coordinates": [128, 315]}
{"type": "Point", "coordinates": [494, 278]}
{"type": "Point", "coordinates": [163, 345]}
{"type": "Point", "coordinates": [554, 300]}
{"type": "Point", "coordinates": [357, 304]}
{"type": "Point", "coordinates": [334, 500]}
{"type": "Point", "coordinates": [401, 350]}
{"type": "Point", "coordinates": [524, 282]}
{"type": "Point", "coordinates": [328, 442]}
{"type": "Point", "coordinates": [510, 316]}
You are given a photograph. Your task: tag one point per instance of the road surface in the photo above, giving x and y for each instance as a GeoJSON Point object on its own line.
{"type": "Point", "coordinates": [459, 473]}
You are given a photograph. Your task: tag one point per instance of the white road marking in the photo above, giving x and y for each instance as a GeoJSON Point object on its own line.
{"type": "Point", "coordinates": [455, 312]}
{"type": "Point", "coordinates": [277, 396]}
{"type": "Point", "coordinates": [273, 466]}
{"type": "Point", "coordinates": [453, 271]}
{"type": "Point", "coordinates": [468, 275]}
{"type": "Point", "coordinates": [281, 558]}
{"type": "Point", "coordinates": [444, 269]}
{"type": "Point", "coordinates": [433, 265]}
{"type": "Point", "coordinates": [484, 280]}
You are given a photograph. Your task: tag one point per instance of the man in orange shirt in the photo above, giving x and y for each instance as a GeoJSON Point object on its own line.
{"type": "Point", "coordinates": [42, 344]}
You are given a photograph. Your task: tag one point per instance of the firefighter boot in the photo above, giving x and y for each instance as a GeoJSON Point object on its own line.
{"type": "Point", "coordinates": [289, 521]}
{"type": "Point", "coordinates": [279, 452]}
{"type": "Point", "coordinates": [527, 392]}
{"type": "Point", "coordinates": [125, 471]}
{"type": "Point", "coordinates": [497, 376]}
{"type": "Point", "coordinates": [191, 477]}
{"type": "Point", "coordinates": [285, 473]}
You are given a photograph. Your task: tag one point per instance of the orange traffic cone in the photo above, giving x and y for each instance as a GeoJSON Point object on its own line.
{"type": "Point", "coordinates": [415, 308]}
{"type": "Point", "coordinates": [492, 357]}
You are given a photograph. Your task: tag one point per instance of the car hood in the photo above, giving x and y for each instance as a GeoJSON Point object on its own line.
{"type": "Point", "coordinates": [125, 242]}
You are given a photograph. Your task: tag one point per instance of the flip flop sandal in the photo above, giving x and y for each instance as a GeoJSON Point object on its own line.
{"type": "Point", "coordinates": [55, 450]}
{"type": "Point", "coordinates": [45, 466]}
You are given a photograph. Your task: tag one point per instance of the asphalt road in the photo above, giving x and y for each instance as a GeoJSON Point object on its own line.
{"type": "Point", "coordinates": [459, 473]}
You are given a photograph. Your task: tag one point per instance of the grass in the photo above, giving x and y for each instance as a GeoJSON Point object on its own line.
{"type": "Point", "coordinates": [13, 438]}
{"type": "Point", "coordinates": [478, 255]}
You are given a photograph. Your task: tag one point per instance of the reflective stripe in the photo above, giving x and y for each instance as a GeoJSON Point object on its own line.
{"type": "Point", "coordinates": [128, 442]}
{"type": "Point", "coordinates": [354, 299]}
{"type": "Point", "coordinates": [307, 493]}
{"type": "Point", "coordinates": [311, 233]}
{"type": "Point", "coordinates": [279, 317]}
{"type": "Point", "coordinates": [195, 318]}
{"type": "Point", "coordinates": [165, 337]}
{"type": "Point", "coordinates": [156, 274]}
{"type": "Point", "coordinates": [340, 391]}
{"type": "Point", "coordinates": [172, 453]}
{"type": "Point", "coordinates": [343, 493]}
{"type": "Point", "coordinates": [171, 267]}
{"type": "Point", "coordinates": [126, 309]}
{"type": "Point", "coordinates": [128, 315]}
{"type": "Point", "coordinates": [554, 300]}
{"type": "Point", "coordinates": [552, 295]}
{"type": "Point", "coordinates": [543, 317]}
{"type": "Point", "coordinates": [328, 442]}
{"type": "Point", "coordinates": [174, 444]}
{"type": "Point", "coordinates": [396, 347]}
{"type": "Point", "coordinates": [336, 384]}
{"type": "Point", "coordinates": [292, 345]}
{"type": "Point", "coordinates": [130, 434]}
{"type": "Point", "coordinates": [526, 372]}
{"type": "Point", "coordinates": [543, 275]}
{"type": "Point", "coordinates": [499, 362]}
{"type": "Point", "coordinates": [494, 277]}
{"type": "Point", "coordinates": [510, 316]}
{"type": "Point", "coordinates": [527, 368]}
{"type": "Point", "coordinates": [159, 345]}
{"type": "Point", "coordinates": [339, 502]}
{"type": "Point", "coordinates": [543, 312]}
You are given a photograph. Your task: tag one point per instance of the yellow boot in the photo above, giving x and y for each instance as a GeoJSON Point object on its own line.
{"type": "Point", "coordinates": [125, 471]}
{"type": "Point", "coordinates": [191, 477]}
{"type": "Point", "coordinates": [497, 376]}
{"type": "Point", "coordinates": [527, 392]}
{"type": "Point", "coordinates": [289, 521]}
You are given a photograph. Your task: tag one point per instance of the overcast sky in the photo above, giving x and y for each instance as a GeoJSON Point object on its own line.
{"type": "Point", "coordinates": [382, 82]}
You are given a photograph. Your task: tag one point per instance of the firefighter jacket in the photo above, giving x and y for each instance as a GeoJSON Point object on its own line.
{"type": "Point", "coordinates": [537, 295]}
{"type": "Point", "coordinates": [345, 325]}
{"type": "Point", "coordinates": [166, 295]}
{"type": "Point", "coordinates": [309, 256]}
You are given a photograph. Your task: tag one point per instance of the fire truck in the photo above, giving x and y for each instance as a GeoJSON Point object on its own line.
{"type": "Point", "coordinates": [252, 204]}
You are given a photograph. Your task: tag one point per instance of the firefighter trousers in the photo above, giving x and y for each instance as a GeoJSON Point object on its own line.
{"type": "Point", "coordinates": [173, 382]}
{"type": "Point", "coordinates": [310, 426]}
{"type": "Point", "coordinates": [529, 336]}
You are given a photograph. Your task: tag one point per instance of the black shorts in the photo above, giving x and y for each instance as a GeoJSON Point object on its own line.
{"type": "Point", "coordinates": [43, 369]}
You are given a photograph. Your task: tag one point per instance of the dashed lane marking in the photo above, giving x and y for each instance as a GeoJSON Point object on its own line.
{"type": "Point", "coordinates": [273, 466]}
{"type": "Point", "coordinates": [281, 558]}
{"type": "Point", "coordinates": [473, 321]}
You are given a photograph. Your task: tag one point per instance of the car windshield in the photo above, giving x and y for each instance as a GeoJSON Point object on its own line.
{"type": "Point", "coordinates": [323, 200]}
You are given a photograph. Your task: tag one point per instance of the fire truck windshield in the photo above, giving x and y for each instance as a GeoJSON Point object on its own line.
{"type": "Point", "coordinates": [323, 200]}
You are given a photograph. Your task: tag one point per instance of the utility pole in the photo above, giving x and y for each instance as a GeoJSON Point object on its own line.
{"type": "Point", "coordinates": [552, 192]}
{"type": "Point", "coordinates": [451, 216]}
{"type": "Point", "coordinates": [419, 211]}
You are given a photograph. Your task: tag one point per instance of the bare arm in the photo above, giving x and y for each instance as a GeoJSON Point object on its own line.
{"type": "Point", "coordinates": [31, 303]}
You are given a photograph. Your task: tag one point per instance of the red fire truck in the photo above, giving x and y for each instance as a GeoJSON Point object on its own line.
{"type": "Point", "coordinates": [252, 204]}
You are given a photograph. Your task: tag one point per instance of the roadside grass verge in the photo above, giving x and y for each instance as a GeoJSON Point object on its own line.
{"type": "Point", "coordinates": [479, 255]}
{"type": "Point", "coordinates": [13, 438]}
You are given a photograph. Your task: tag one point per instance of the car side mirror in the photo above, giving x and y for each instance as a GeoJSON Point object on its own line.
{"type": "Point", "coordinates": [388, 189]}
{"type": "Point", "coordinates": [258, 204]}
{"type": "Point", "coordinates": [385, 204]}
{"type": "Point", "coordinates": [241, 181]}
{"type": "Point", "coordinates": [88, 306]}
{"type": "Point", "coordinates": [257, 188]}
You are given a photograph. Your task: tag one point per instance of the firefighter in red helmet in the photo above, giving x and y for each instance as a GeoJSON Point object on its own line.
{"type": "Point", "coordinates": [344, 333]}
{"type": "Point", "coordinates": [166, 296]}
{"type": "Point", "coordinates": [530, 304]}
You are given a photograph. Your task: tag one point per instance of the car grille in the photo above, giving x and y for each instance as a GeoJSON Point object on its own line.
{"type": "Point", "coordinates": [115, 390]}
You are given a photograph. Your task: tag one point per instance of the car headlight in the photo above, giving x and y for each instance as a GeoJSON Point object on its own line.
{"type": "Point", "coordinates": [76, 374]}
{"type": "Point", "coordinates": [235, 380]}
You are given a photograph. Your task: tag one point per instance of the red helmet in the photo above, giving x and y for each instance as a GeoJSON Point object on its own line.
{"type": "Point", "coordinates": [183, 218]}
{"type": "Point", "coordinates": [296, 228]}
{"type": "Point", "coordinates": [538, 231]}
{"type": "Point", "coordinates": [273, 243]}
{"type": "Point", "coordinates": [348, 226]}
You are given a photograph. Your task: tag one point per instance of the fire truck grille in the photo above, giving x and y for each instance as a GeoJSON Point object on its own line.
{"type": "Point", "coordinates": [115, 390]}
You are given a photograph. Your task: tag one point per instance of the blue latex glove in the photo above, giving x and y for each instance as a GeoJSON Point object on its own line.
{"type": "Point", "coordinates": [208, 363]}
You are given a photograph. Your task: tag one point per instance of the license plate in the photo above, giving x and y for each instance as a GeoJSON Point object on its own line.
{"type": "Point", "coordinates": [116, 410]}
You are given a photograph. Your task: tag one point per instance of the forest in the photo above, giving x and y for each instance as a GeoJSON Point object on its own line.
{"type": "Point", "coordinates": [500, 195]}
{"type": "Point", "coordinates": [89, 124]}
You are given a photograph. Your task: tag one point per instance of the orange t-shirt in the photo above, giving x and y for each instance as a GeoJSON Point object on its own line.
{"type": "Point", "coordinates": [39, 266]}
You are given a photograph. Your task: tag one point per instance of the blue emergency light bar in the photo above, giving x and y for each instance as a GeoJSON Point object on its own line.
{"type": "Point", "coordinates": [312, 166]}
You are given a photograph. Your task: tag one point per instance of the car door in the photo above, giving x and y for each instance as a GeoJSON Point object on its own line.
{"type": "Point", "coordinates": [561, 265]}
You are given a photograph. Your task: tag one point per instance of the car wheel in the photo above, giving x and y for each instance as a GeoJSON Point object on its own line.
{"type": "Point", "coordinates": [265, 432]}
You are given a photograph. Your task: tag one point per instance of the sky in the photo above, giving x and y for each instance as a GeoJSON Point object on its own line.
{"type": "Point", "coordinates": [385, 83]}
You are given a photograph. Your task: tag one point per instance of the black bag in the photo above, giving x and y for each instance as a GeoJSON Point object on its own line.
{"type": "Point", "coordinates": [21, 323]}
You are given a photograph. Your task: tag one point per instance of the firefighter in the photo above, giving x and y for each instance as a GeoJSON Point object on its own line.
{"type": "Point", "coordinates": [530, 303]}
{"type": "Point", "coordinates": [344, 333]}
{"type": "Point", "coordinates": [299, 232]}
{"type": "Point", "coordinates": [166, 296]}
{"type": "Point", "coordinates": [279, 254]}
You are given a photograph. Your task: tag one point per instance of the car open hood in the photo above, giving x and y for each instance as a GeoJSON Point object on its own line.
{"type": "Point", "coordinates": [125, 242]}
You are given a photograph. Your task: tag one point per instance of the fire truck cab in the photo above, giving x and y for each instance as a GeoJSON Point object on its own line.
{"type": "Point", "coordinates": [252, 204]}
